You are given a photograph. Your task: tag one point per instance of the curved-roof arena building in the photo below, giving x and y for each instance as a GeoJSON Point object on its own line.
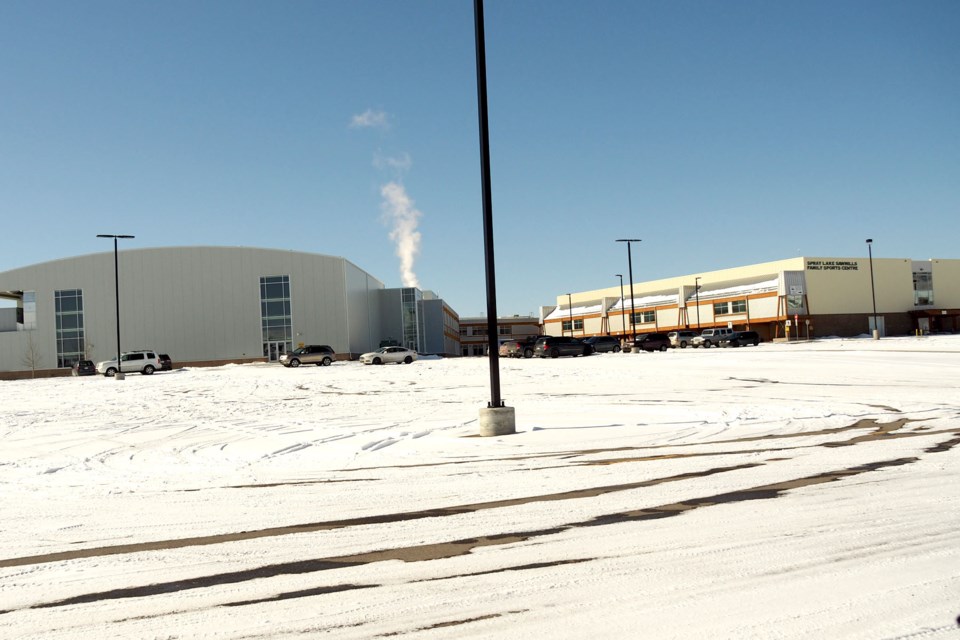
{"type": "Point", "coordinates": [208, 305]}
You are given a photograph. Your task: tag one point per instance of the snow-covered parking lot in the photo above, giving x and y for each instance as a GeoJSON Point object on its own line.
{"type": "Point", "coordinates": [789, 490]}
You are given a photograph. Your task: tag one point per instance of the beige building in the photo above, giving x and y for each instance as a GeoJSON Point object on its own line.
{"type": "Point", "coordinates": [797, 297]}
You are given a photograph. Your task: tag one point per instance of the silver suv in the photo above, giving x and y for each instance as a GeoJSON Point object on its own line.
{"type": "Point", "coordinates": [711, 337]}
{"type": "Point", "coordinates": [318, 354]}
{"type": "Point", "coordinates": [145, 362]}
{"type": "Point", "coordinates": [681, 338]}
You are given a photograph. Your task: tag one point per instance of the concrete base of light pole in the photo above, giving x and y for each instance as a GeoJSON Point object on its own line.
{"type": "Point", "coordinates": [497, 421]}
{"type": "Point", "coordinates": [118, 376]}
{"type": "Point", "coordinates": [876, 334]}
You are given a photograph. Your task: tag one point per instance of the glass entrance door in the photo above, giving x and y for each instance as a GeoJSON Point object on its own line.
{"type": "Point", "coordinates": [273, 350]}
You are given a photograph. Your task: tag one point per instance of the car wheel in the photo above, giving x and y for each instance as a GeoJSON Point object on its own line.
{"type": "Point", "coordinates": [683, 345]}
{"type": "Point", "coordinates": [706, 344]}
{"type": "Point", "coordinates": [407, 360]}
{"type": "Point", "coordinates": [110, 372]}
{"type": "Point", "coordinates": [663, 347]}
{"type": "Point", "coordinates": [377, 361]}
{"type": "Point", "coordinates": [294, 363]}
{"type": "Point", "coordinates": [528, 353]}
{"type": "Point", "coordinates": [554, 353]}
{"type": "Point", "coordinates": [148, 370]}
{"type": "Point", "coordinates": [616, 348]}
{"type": "Point", "coordinates": [327, 361]}
{"type": "Point", "coordinates": [756, 343]}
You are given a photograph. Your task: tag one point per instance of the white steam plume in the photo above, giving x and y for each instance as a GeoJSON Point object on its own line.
{"type": "Point", "coordinates": [399, 212]}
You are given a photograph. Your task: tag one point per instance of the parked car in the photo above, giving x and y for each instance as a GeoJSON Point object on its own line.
{"type": "Point", "coordinates": [144, 361]}
{"type": "Point", "coordinates": [84, 368]}
{"type": "Point", "coordinates": [652, 342]}
{"type": "Point", "coordinates": [522, 348]}
{"type": "Point", "coordinates": [318, 354]}
{"type": "Point", "coordinates": [166, 364]}
{"type": "Point", "coordinates": [711, 337]}
{"type": "Point", "coordinates": [383, 355]}
{"type": "Point", "coordinates": [601, 344]}
{"type": "Point", "coordinates": [740, 339]}
{"type": "Point", "coordinates": [681, 339]}
{"type": "Point", "coordinates": [550, 347]}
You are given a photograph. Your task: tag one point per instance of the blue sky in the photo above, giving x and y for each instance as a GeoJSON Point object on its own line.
{"type": "Point", "coordinates": [720, 133]}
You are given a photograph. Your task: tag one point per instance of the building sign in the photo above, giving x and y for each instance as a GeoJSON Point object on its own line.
{"type": "Point", "coordinates": [833, 265]}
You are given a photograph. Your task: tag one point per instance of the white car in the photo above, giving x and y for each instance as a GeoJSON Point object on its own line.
{"type": "Point", "coordinates": [145, 362]}
{"type": "Point", "coordinates": [383, 355]}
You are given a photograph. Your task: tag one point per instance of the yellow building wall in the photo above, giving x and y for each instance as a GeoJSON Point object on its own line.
{"type": "Point", "coordinates": [842, 285]}
{"type": "Point", "coordinates": [946, 284]}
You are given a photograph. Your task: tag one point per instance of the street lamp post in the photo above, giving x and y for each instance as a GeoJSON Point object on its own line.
{"type": "Point", "coordinates": [623, 321]}
{"type": "Point", "coordinates": [570, 310]}
{"type": "Point", "coordinates": [696, 291]}
{"type": "Point", "coordinates": [116, 277]}
{"type": "Point", "coordinates": [873, 294]}
{"type": "Point", "coordinates": [633, 309]}
{"type": "Point", "coordinates": [496, 419]}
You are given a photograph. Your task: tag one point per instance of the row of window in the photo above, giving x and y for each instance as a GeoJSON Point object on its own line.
{"type": "Point", "coordinates": [68, 312]}
{"type": "Point", "coordinates": [646, 317]}
{"type": "Point", "coordinates": [411, 320]}
{"type": "Point", "coordinates": [276, 321]}
{"type": "Point", "coordinates": [502, 329]}
{"type": "Point", "coordinates": [725, 308]}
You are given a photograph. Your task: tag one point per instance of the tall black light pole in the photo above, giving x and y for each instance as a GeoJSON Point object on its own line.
{"type": "Point", "coordinates": [623, 321]}
{"type": "Point", "coordinates": [570, 310]}
{"type": "Point", "coordinates": [633, 309]}
{"type": "Point", "coordinates": [873, 294]}
{"type": "Point", "coordinates": [696, 285]}
{"type": "Point", "coordinates": [116, 277]}
{"type": "Point", "coordinates": [496, 419]}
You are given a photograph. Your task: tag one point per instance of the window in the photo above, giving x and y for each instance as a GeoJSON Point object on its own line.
{"type": "Point", "coordinates": [794, 304]}
{"type": "Point", "coordinates": [275, 315]}
{"type": "Point", "coordinates": [68, 309]}
{"type": "Point", "coordinates": [738, 306]}
{"type": "Point", "coordinates": [922, 288]}
{"type": "Point", "coordinates": [504, 331]}
{"type": "Point", "coordinates": [577, 325]}
{"type": "Point", "coordinates": [721, 308]}
{"type": "Point", "coordinates": [410, 298]}
{"type": "Point", "coordinates": [27, 314]}
{"type": "Point", "coordinates": [463, 332]}
{"type": "Point", "coordinates": [643, 317]}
